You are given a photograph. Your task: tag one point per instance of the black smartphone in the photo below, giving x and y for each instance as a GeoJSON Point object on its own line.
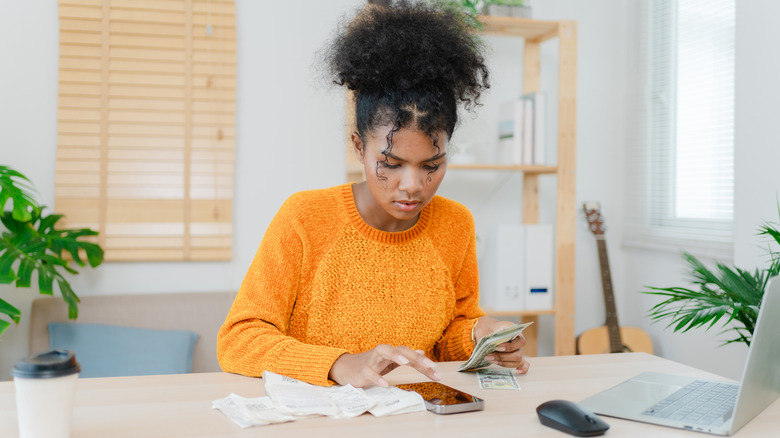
{"type": "Point", "coordinates": [442, 399]}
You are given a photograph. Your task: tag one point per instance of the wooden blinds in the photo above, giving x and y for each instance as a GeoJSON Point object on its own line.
{"type": "Point", "coordinates": [145, 142]}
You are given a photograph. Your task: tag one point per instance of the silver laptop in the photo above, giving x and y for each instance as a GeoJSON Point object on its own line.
{"type": "Point", "coordinates": [723, 407]}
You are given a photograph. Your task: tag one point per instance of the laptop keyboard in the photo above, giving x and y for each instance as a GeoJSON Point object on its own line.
{"type": "Point", "coordinates": [701, 402]}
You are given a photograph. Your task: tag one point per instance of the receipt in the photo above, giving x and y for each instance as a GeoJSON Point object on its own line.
{"type": "Point", "coordinates": [298, 398]}
{"type": "Point", "coordinates": [248, 412]}
{"type": "Point", "coordinates": [394, 401]}
{"type": "Point", "coordinates": [290, 399]}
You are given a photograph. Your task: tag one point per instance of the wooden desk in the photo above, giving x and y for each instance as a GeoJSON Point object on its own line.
{"type": "Point", "coordinates": [180, 405]}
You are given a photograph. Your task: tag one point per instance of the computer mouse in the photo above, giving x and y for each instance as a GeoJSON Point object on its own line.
{"type": "Point", "coordinates": [571, 418]}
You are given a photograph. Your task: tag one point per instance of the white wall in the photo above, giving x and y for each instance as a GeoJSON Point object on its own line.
{"type": "Point", "coordinates": [290, 127]}
{"type": "Point", "coordinates": [757, 187]}
{"type": "Point", "coordinates": [495, 197]}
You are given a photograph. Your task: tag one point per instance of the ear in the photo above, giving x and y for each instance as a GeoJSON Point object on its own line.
{"type": "Point", "coordinates": [357, 144]}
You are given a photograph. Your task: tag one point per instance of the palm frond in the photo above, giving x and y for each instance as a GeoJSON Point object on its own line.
{"type": "Point", "coordinates": [727, 295]}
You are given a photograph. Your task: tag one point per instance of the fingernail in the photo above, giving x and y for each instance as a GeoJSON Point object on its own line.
{"type": "Point", "coordinates": [382, 382]}
{"type": "Point", "coordinates": [436, 376]}
{"type": "Point", "coordinates": [402, 360]}
{"type": "Point", "coordinates": [429, 363]}
{"type": "Point", "coordinates": [490, 358]}
{"type": "Point", "coordinates": [501, 349]}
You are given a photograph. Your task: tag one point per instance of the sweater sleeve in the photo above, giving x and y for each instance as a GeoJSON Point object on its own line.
{"type": "Point", "coordinates": [456, 343]}
{"type": "Point", "coordinates": [254, 336]}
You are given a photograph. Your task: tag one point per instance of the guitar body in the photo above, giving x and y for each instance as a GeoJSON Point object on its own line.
{"type": "Point", "coordinates": [596, 341]}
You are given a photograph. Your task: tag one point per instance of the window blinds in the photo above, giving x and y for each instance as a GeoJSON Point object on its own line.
{"type": "Point", "coordinates": [681, 141]}
{"type": "Point", "coordinates": [145, 144]}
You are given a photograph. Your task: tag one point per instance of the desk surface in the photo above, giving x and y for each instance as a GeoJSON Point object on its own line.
{"type": "Point", "coordinates": [180, 405]}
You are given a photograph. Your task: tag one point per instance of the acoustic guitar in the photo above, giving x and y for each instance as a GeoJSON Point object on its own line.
{"type": "Point", "coordinates": [610, 338]}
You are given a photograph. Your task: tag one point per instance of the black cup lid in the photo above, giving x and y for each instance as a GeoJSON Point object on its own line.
{"type": "Point", "coordinates": [55, 363]}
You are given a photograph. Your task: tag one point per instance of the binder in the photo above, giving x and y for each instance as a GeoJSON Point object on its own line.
{"type": "Point", "coordinates": [538, 287]}
{"type": "Point", "coordinates": [501, 270]}
{"type": "Point", "coordinates": [516, 272]}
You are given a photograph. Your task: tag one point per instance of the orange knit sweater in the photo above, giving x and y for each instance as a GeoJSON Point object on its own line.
{"type": "Point", "coordinates": [324, 283]}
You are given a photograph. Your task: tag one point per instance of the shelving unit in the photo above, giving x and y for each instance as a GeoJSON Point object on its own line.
{"type": "Point", "coordinates": [534, 32]}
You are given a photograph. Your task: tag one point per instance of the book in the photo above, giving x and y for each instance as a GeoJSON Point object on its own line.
{"type": "Point", "coordinates": [528, 130]}
{"type": "Point", "coordinates": [535, 129]}
{"type": "Point", "coordinates": [510, 132]}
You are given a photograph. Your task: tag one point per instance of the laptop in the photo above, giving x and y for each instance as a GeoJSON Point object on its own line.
{"type": "Point", "coordinates": [665, 399]}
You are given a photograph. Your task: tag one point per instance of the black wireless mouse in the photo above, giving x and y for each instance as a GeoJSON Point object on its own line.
{"type": "Point", "coordinates": [571, 418]}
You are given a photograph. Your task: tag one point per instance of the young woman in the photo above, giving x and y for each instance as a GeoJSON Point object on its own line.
{"type": "Point", "coordinates": [353, 281]}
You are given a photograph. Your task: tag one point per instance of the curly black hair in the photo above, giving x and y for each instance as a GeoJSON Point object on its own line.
{"type": "Point", "coordinates": [410, 65]}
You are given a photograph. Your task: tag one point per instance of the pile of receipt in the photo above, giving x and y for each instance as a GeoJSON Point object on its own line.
{"type": "Point", "coordinates": [289, 400]}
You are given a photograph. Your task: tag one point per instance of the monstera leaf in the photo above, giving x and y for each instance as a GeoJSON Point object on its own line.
{"type": "Point", "coordinates": [32, 245]}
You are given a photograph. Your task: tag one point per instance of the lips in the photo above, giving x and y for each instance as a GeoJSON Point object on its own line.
{"type": "Point", "coordinates": [407, 205]}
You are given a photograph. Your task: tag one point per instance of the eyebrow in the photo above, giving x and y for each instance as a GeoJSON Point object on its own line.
{"type": "Point", "coordinates": [395, 157]}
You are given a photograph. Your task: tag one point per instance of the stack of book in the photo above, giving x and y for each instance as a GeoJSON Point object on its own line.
{"type": "Point", "coordinates": [521, 128]}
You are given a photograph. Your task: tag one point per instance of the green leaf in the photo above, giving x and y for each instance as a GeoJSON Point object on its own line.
{"type": "Point", "coordinates": [45, 280]}
{"type": "Point", "coordinates": [30, 238]}
{"type": "Point", "coordinates": [7, 274]}
{"type": "Point", "coordinates": [24, 276]}
{"type": "Point", "coordinates": [53, 260]}
{"type": "Point", "coordinates": [11, 311]}
{"type": "Point", "coordinates": [70, 298]}
{"type": "Point", "coordinates": [18, 189]}
{"type": "Point", "coordinates": [73, 248]}
{"type": "Point", "coordinates": [4, 325]}
{"type": "Point", "coordinates": [47, 223]}
{"type": "Point", "coordinates": [94, 252]}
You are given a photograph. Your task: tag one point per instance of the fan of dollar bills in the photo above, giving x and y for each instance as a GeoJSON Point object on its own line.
{"type": "Point", "coordinates": [488, 344]}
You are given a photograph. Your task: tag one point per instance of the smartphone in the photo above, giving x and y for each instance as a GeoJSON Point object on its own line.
{"type": "Point", "coordinates": [442, 399]}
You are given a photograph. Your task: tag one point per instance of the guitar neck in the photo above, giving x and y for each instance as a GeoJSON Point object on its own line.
{"type": "Point", "coordinates": [615, 341]}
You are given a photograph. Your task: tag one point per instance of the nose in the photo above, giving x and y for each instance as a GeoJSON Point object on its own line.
{"type": "Point", "coordinates": [412, 181]}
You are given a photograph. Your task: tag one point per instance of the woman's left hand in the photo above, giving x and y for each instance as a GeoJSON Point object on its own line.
{"type": "Point", "coordinates": [508, 354]}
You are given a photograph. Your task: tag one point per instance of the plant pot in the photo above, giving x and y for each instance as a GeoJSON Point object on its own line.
{"type": "Point", "coordinates": [497, 10]}
{"type": "Point", "coordinates": [520, 11]}
{"type": "Point", "coordinates": [507, 11]}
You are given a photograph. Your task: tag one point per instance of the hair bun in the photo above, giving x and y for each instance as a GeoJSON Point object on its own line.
{"type": "Point", "coordinates": [409, 47]}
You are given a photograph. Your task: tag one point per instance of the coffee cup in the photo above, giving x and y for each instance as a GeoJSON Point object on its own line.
{"type": "Point", "coordinates": [45, 388]}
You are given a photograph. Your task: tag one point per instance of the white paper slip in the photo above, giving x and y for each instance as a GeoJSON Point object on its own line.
{"type": "Point", "coordinates": [490, 378]}
{"type": "Point", "coordinates": [248, 412]}
{"type": "Point", "coordinates": [290, 399]}
{"type": "Point", "coordinates": [351, 401]}
{"type": "Point", "coordinates": [394, 401]}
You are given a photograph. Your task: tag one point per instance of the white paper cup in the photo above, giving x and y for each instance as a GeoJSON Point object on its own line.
{"type": "Point", "coordinates": [45, 387]}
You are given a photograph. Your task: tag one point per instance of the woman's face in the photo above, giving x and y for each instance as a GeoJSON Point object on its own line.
{"type": "Point", "coordinates": [401, 180]}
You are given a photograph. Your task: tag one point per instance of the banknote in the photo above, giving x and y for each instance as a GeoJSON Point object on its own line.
{"type": "Point", "coordinates": [490, 378]}
{"type": "Point", "coordinates": [488, 344]}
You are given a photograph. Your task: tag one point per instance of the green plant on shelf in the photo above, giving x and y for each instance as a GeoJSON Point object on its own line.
{"type": "Point", "coordinates": [30, 243]}
{"type": "Point", "coordinates": [470, 10]}
{"type": "Point", "coordinates": [723, 292]}
{"type": "Point", "coordinates": [506, 2]}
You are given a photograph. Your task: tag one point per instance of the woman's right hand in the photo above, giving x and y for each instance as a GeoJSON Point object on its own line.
{"type": "Point", "coordinates": [366, 369]}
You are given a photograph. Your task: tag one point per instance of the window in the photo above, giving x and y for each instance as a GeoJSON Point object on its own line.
{"type": "Point", "coordinates": [145, 143]}
{"type": "Point", "coordinates": [681, 157]}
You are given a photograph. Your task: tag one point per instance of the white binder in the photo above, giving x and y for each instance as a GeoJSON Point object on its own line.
{"type": "Point", "coordinates": [516, 272]}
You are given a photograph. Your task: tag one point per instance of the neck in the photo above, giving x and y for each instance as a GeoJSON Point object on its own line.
{"type": "Point", "coordinates": [374, 215]}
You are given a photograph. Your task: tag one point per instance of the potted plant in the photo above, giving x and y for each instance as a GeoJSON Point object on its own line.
{"type": "Point", "coordinates": [30, 243]}
{"type": "Point", "coordinates": [469, 8]}
{"type": "Point", "coordinates": [725, 292]}
{"type": "Point", "coordinates": [507, 8]}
